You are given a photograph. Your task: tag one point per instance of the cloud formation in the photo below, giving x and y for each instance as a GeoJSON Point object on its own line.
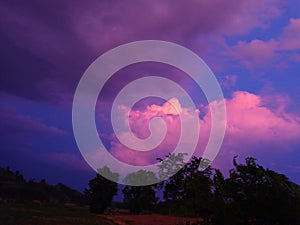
{"type": "Point", "coordinates": [50, 44]}
{"type": "Point", "coordinates": [251, 123]}
{"type": "Point", "coordinates": [139, 121]}
{"type": "Point", "coordinates": [251, 126]}
{"type": "Point", "coordinates": [262, 54]}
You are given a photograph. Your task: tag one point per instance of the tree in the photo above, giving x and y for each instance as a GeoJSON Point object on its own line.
{"type": "Point", "coordinates": [188, 192]}
{"type": "Point", "coordinates": [254, 195]}
{"type": "Point", "coordinates": [139, 198]}
{"type": "Point", "coordinates": [101, 191]}
{"type": "Point", "coordinates": [198, 189]}
{"type": "Point", "coordinates": [174, 166]}
{"type": "Point", "coordinates": [13, 187]}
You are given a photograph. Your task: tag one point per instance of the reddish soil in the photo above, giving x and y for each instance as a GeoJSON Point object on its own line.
{"type": "Point", "coordinates": [150, 219]}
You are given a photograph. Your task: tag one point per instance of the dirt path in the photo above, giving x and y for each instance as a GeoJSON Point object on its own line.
{"type": "Point", "coordinates": [150, 219]}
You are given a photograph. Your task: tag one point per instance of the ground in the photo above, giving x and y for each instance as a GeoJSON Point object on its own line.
{"type": "Point", "coordinates": [151, 219]}
{"type": "Point", "coordinates": [37, 214]}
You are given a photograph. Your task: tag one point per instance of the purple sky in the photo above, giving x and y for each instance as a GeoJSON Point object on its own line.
{"type": "Point", "coordinates": [253, 48]}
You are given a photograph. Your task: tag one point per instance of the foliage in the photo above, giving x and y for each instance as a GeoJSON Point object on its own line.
{"type": "Point", "coordinates": [188, 192]}
{"type": "Point", "coordinates": [172, 164]}
{"type": "Point", "coordinates": [254, 195]}
{"type": "Point", "coordinates": [139, 198]}
{"type": "Point", "coordinates": [198, 189]}
{"type": "Point", "coordinates": [101, 191]}
{"type": "Point", "coordinates": [14, 188]}
{"type": "Point", "coordinates": [251, 195]}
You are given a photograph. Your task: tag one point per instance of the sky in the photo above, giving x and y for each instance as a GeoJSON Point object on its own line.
{"type": "Point", "coordinates": [252, 47]}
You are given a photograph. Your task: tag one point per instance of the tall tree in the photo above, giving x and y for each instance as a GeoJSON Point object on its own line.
{"type": "Point", "coordinates": [198, 189]}
{"type": "Point", "coordinates": [173, 168]}
{"type": "Point", "coordinates": [139, 198]}
{"type": "Point", "coordinates": [254, 195]}
{"type": "Point", "coordinates": [101, 190]}
{"type": "Point", "coordinates": [188, 192]}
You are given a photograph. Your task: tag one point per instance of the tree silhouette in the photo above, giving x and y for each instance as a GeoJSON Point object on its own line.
{"type": "Point", "coordinates": [257, 196]}
{"type": "Point", "coordinates": [251, 195]}
{"type": "Point", "coordinates": [188, 192]}
{"type": "Point", "coordinates": [14, 188]}
{"type": "Point", "coordinates": [101, 191]}
{"type": "Point", "coordinates": [198, 189]}
{"type": "Point", "coordinates": [139, 198]}
{"type": "Point", "coordinates": [172, 168]}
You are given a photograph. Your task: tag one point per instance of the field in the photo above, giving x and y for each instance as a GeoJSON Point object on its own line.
{"type": "Point", "coordinates": [49, 215]}
{"type": "Point", "coordinates": [151, 219]}
{"type": "Point", "coordinates": [34, 214]}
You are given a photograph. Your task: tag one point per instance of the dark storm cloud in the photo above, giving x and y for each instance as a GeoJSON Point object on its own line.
{"type": "Point", "coordinates": [47, 45]}
{"type": "Point", "coordinates": [21, 70]}
{"type": "Point", "coordinates": [39, 52]}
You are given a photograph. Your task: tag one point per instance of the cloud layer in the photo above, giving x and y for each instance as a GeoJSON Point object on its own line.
{"type": "Point", "coordinates": [251, 126]}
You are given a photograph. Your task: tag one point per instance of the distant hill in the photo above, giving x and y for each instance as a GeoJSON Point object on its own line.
{"type": "Point", "coordinates": [14, 188]}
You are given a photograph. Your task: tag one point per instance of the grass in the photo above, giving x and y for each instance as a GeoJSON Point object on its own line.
{"type": "Point", "coordinates": [129, 222]}
{"type": "Point", "coordinates": [48, 215]}
{"type": "Point", "coordinates": [152, 219]}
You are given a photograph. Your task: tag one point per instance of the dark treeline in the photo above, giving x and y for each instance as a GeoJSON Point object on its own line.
{"type": "Point", "coordinates": [251, 195]}
{"type": "Point", "coordinates": [15, 189]}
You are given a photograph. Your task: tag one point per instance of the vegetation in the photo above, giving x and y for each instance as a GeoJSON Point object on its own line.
{"type": "Point", "coordinates": [14, 188]}
{"type": "Point", "coordinates": [254, 195]}
{"type": "Point", "coordinates": [41, 214]}
{"type": "Point", "coordinates": [101, 191]}
{"type": "Point", "coordinates": [250, 195]}
{"type": "Point", "coordinates": [189, 191]}
{"type": "Point", "coordinates": [139, 198]}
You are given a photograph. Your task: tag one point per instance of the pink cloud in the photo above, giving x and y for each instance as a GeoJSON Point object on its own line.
{"type": "Point", "coordinates": [290, 39]}
{"type": "Point", "coordinates": [276, 102]}
{"type": "Point", "coordinates": [253, 14]}
{"type": "Point", "coordinates": [250, 122]}
{"type": "Point", "coordinates": [139, 122]}
{"type": "Point", "coordinates": [255, 127]}
{"type": "Point", "coordinates": [259, 54]}
{"type": "Point", "coordinates": [254, 54]}
{"type": "Point", "coordinates": [252, 126]}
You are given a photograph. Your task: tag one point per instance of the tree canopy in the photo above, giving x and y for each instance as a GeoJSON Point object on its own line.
{"type": "Point", "coordinates": [255, 195]}
{"type": "Point", "coordinates": [139, 198]}
{"type": "Point", "coordinates": [101, 191]}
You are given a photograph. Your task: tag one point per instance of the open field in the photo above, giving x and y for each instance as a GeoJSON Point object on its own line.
{"type": "Point", "coordinates": [151, 219]}
{"type": "Point", "coordinates": [34, 214]}
{"type": "Point", "coordinates": [49, 215]}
